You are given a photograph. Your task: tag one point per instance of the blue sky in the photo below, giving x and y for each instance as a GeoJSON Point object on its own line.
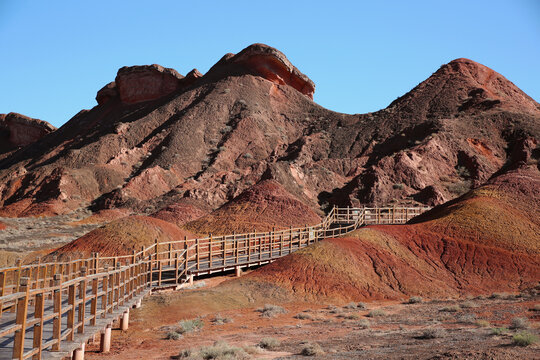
{"type": "Point", "coordinates": [361, 55]}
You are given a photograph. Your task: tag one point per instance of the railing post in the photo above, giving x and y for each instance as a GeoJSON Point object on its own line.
{"type": "Point", "coordinates": [57, 321]}
{"type": "Point", "coordinates": [170, 254]}
{"type": "Point", "coordinates": [176, 269]}
{"type": "Point", "coordinates": [209, 251]}
{"type": "Point", "coordinates": [82, 297]}
{"type": "Point", "coordinates": [22, 312]}
{"type": "Point", "coordinates": [71, 312]}
{"type": "Point", "coordinates": [93, 306]}
{"type": "Point", "coordinates": [38, 328]}
{"type": "Point", "coordinates": [198, 253]}
{"type": "Point", "coordinates": [105, 289]}
{"type": "Point", "coordinates": [290, 240]}
{"type": "Point", "coordinates": [96, 263]}
{"type": "Point", "coordinates": [248, 247]}
{"type": "Point", "coordinates": [260, 244]}
{"type": "Point", "coordinates": [235, 243]}
{"type": "Point", "coordinates": [272, 240]}
{"type": "Point", "coordinates": [186, 255]}
{"type": "Point", "coordinates": [2, 289]}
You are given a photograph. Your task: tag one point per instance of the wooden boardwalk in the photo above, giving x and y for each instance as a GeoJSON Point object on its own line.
{"type": "Point", "coordinates": [49, 311]}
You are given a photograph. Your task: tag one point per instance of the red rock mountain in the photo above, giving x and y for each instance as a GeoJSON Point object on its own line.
{"type": "Point", "coordinates": [157, 137]}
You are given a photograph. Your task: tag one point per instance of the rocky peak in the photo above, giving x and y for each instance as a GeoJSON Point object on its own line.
{"type": "Point", "coordinates": [464, 85]}
{"type": "Point", "coordinates": [267, 62]}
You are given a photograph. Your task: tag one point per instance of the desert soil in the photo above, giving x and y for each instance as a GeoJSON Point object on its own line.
{"type": "Point", "coordinates": [462, 327]}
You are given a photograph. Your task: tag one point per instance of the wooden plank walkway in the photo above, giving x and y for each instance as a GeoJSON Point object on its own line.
{"type": "Point", "coordinates": [49, 311]}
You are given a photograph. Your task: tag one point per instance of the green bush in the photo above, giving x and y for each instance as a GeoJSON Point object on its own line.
{"type": "Point", "coordinates": [524, 339]}
{"type": "Point", "coordinates": [499, 331]}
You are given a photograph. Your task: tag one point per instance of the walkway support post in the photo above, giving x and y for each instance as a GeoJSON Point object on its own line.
{"type": "Point", "coordinates": [105, 343]}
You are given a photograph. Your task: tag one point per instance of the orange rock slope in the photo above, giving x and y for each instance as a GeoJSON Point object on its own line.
{"type": "Point", "coordinates": [261, 207]}
{"type": "Point", "coordinates": [486, 241]}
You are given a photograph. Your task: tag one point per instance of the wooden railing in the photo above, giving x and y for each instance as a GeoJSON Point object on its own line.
{"type": "Point", "coordinates": [68, 296]}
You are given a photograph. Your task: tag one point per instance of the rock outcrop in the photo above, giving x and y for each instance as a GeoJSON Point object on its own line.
{"type": "Point", "coordinates": [267, 62]}
{"type": "Point", "coordinates": [18, 130]}
{"type": "Point", "coordinates": [144, 83]}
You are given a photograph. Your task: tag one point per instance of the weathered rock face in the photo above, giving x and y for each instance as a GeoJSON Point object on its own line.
{"type": "Point", "coordinates": [17, 130]}
{"type": "Point", "coordinates": [215, 136]}
{"type": "Point", "coordinates": [269, 63]}
{"type": "Point", "coordinates": [144, 83]}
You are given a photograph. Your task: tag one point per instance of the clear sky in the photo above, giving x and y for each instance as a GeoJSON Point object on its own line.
{"type": "Point", "coordinates": [55, 55]}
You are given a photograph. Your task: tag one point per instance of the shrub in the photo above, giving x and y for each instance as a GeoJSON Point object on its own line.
{"type": "Point", "coordinates": [519, 323]}
{"type": "Point", "coordinates": [312, 349]}
{"type": "Point", "coordinates": [173, 335]}
{"type": "Point", "coordinates": [483, 323]}
{"type": "Point", "coordinates": [188, 326]}
{"type": "Point", "coordinates": [376, 312]}
{"type": "Point", "coordinates": [432, 333]}
{"type": "Point", "coordinates": [303, 316]}
{"type": "Point", "coordinates": [468, 305]}
{"type": "Point", "coordinates": [247, 156]}
{"type": "Point", "coordinates": [467, 318]}
{"type": "Point", "coordinates": [499, 331]}
{"type": "Point", "coordinates": [220, 320]}
{"type": "Point", "coordinates": [351, 306]}
{"type": "Point", "coordinates": [270, 310]}
{"type": "Point", "coordinates": [497, 296]}
{"type": "Point", "coordinates": [459, 188]}
{"type": "Point", "coordinates": [398, 186]}
{"type": "Point", "coordinates": [536, 307]}
{"type": "Point", "coordinates": [524, 339]}
{"type": "Point", "coordinates": [336, 310]}
{"type": "Point", "coordinates": [361, 305]}
{"type": "Point", "coordinates": [363, 323]}
{"type": "Point", "coordinates": [222, 350]}
{"type": "Point", "coordinates": [453, 308]}
{"type": "Point", "coordinates": [270, 343]}
{"type": "Point", "coordinates": [415, 300]}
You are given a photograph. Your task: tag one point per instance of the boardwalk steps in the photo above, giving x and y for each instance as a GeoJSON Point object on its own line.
{"type": "Point", "coordinates": [50, 310]}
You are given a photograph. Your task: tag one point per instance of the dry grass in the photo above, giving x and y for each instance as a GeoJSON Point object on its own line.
{"type": "Point", "coordinates": [519, 323]}
{"type": "Point", "coordinates": [270, 343]}
{"type": "Point", "coordinates": [312, 349]}
{"type": "Point", "coordinates": [270, 310]}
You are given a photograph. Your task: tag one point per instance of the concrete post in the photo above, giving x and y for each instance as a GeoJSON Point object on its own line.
{"type": "Point", "coordinates": [124, 321]}
{"type": "Point", "coordinates": [105, 344]}
{"type": "Point", "coordinates": [238, 271]}
{"type": "Point", "coordinates": [78, 354]}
